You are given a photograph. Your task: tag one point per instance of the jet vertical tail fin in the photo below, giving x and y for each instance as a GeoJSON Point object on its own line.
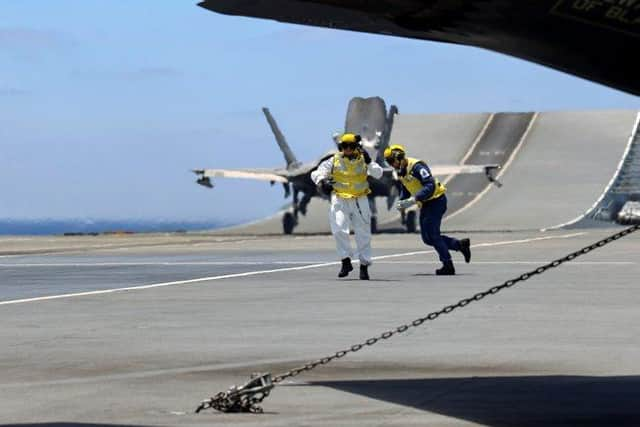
{"type": "Point", "coordinates": [289, 157]}
{"type": "Point", "coordinates": [388, 128]}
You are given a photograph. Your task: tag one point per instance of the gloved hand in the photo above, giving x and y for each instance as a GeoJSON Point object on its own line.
{"type": "Point", "coordinates": [325, 186]}
{"type": "Point", "coordinates": [406, 203]}
{"type": "Point", "coordinates": [365, 155]}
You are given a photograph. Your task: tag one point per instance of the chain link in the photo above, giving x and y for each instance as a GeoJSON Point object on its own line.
{"type": "Point", "coordinates": [448, 309]}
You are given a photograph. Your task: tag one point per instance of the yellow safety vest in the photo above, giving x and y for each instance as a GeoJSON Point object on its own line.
{"type": "Point", "coordinates": [349, 177]}
{"type": "Point", "coordinates": [413, 185]}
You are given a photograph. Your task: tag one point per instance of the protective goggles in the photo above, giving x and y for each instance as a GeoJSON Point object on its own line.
{"type": "Point", "coordinates": [396, 156]}
{"type": "Point", "coordinates": [352, 145]}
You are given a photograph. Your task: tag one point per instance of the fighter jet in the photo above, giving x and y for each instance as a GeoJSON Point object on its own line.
{"type": "Point", "coordinates": [366, 117]}
{"type": "Point", "coordinates": [594, 39]}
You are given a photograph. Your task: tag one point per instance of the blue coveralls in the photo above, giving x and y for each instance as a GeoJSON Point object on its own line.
{"type": "Point", "coordinates": [431, 213]}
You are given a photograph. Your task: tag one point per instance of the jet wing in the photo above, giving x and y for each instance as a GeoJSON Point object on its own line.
{"type": "Point", "coordinates": [443, 170]}
{"type": "Point", "coordinates": [489, 171]}
{"type": "Point", "coordinates": [595, 39]}
{"type": "Point", "coordinates": [256, 174]}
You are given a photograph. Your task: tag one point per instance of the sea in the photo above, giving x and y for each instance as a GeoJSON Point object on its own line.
{"type": "Point", "coordinates": [42, 227]}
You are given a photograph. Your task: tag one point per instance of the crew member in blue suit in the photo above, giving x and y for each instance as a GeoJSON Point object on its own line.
{"type": "Point", "coordinates": [423, 189]}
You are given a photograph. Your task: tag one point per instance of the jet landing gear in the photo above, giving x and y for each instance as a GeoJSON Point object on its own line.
{"type": "Point", "coordinates": [374, 214]}
{"type": "Point", "coordinates": [290, 219]}
{"type": "Point", "coordinates": [409, 220]}
{"type": "Point", "coordinates": [289, 222]}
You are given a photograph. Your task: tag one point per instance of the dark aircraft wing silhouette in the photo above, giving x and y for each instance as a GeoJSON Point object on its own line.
{"type": "Point", "coordinates": [594, 39]}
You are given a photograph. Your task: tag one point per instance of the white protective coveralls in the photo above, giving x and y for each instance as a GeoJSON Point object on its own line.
{"type": "Point", "coordinates": [347, 212]}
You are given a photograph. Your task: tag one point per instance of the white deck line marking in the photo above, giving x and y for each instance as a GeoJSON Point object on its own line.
{"type": "Point", "coordinates": [260, 272]}
{"type": "Point", "coordinates": [501, 172]}
{"type": "Point", "coordinates": [574, 263]}
{"type": "Point", "coordinates": [634, 131]}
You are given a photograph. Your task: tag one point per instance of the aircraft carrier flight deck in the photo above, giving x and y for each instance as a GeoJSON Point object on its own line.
{"type": "Point", "coordinates": [136, 330]}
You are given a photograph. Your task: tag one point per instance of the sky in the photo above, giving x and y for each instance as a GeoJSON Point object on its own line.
{"type": "Point", "coordinates": [105, 106]}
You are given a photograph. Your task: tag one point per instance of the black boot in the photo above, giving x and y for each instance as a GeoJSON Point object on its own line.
{"type": "Point", "coordinates": [465, 248]}
{"type": "Point", "coordinates": [346, 267]}
{"type": "Point", "coordinates": [446, 269]}
{"type": "Point", "coordinates": [364, 272]}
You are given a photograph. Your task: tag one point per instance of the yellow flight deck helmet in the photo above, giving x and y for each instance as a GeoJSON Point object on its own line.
{"type": "Point", "coordinates": [394, 152]}
{"type": "Point", "coordinates": [350, 138]}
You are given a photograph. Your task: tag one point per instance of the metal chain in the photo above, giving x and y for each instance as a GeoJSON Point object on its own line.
{"type": "Point", "coordinates": [448, 309]}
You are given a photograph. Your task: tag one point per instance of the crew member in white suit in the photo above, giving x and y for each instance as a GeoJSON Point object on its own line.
{"type": "Point", "coordinates": [344, 177]}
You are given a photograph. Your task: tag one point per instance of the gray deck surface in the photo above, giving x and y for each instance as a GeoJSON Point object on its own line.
{"type": "Point", "coordinates": [135, 330]}
{"type": "Point", "coordinates": [562, 349]}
